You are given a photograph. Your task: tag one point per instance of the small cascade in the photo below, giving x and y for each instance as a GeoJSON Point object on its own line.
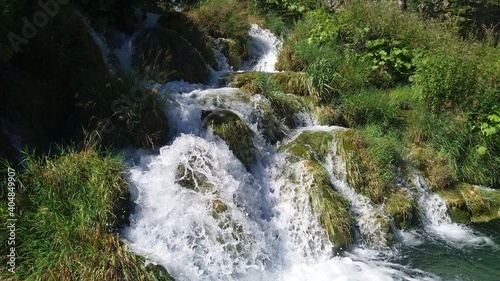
{"type": "Point", "coordinates": [264, 49]}
{"type": "Point", "coordinates": [304, 237]}
{"type": "Point", "coordinates": [126, 50]}
{"type": "Point", "coordinates": [120, 57]}
{"type": "Point", "coordinates": [368, 215]}
{"type": "Point", "coordinates": [198, 213]}
{"type": "Point", "coordinates": [436, 219]}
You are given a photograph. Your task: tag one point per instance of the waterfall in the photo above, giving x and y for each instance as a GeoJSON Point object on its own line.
{"type": "Point", "coordinates": [436, 219]}
{"type": "Point", "coordinates": [367, 214]}
{"type": "Point", "coordinates": [121, 56]}
{"type": "Point", "coordinates": [264, 49]}
{"type": "Point", "coordinates": [204, 216]}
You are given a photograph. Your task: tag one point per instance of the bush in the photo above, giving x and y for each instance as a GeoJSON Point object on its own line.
{"type": "Point", "coordinates": [447, 76]}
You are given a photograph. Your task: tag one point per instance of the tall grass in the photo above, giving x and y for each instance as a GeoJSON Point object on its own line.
{"type": "Point", "coordinates": [69, 206]}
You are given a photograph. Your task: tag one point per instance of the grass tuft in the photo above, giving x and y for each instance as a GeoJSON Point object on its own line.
{"type": "Point", "coordinates": [70, 206]}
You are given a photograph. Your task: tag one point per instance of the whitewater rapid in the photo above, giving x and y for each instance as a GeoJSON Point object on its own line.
{"type": "Point", "coordinates": [256, 224]}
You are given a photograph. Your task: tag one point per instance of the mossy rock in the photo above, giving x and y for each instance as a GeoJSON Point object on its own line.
{"type": "Point", "coordinates": [402, 208]}
{"type": "Point", "coordinates": [366, 173]}
{"type": "Point", "coordinates": [217, 208]}
{"type": "Point", "coordinates": [165, 55]}
{"type": "Point", "coordinates": [434, 166]}
{"type": "Point", "coordinates": [236, 133]}
{"type": "Point", "coordinates": [271, 127]}
{"type": "Point", "coordinates": [192, 179]}
{"type": "Point", "coordinates": [330, 207]}
{"type": "Point", "coordinates": [188, 30]}
{"type": "Point", "coordinates": [385, 237]}
{"type": "Point", "coordinates": [284, 105]}
{"type": "Point", "coordinates": [468, 203]}
{"type": "Point", "coordinates": [309, 145]}
{"type": "Point", "coordinates": [158, 273]}
{"type": "Point", "coordinates": [234, 52]}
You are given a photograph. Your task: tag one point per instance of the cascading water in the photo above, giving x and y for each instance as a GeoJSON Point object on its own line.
{"type": "Point", "coordinates": [264, 49]}
{"type": "Point", "coordinates": [203, 216]}
{"type": "Point", "coordinates": [367, 214]}
{"type": "Point", "coordinates": [436, 219]}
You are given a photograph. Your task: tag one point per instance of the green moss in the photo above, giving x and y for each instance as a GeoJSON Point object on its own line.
{"type": "Point", "coordinates": [468, 203]}
{"type": "Point", "coordinates": [233, 51]}
{"type": "Point", "coordinates": [164, 55]}
{"type": "Point", "coordinates": [70, 206]}
{"type": "Point", "coordinates": [270, 126]}
{"type": "Point", "coordinates": [369, 156]}
{"type": "Point", "coordinates": [402, 208]}
{"type": "Point", "coordinates": [330, 207]}
{"type": "Point", "coordinates": [385, 236]}
{"type": "Point", "coordinates": [434, 166]}
{"type": "Point", "coordinates": [310, 145]}
{"type": "Point", "coordinates": [236, 133]}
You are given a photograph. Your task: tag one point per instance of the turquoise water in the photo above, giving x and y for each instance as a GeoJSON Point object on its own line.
{"type": "Point", "coordinates": [468, 261]}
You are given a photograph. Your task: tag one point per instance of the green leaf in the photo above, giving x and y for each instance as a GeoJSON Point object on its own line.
{"type": "Point", "coordinates": [489, 131]}
{"type": "Point", "coordinates": [481, 150]}
{"type": "Point", "coordinates": [494, 118]}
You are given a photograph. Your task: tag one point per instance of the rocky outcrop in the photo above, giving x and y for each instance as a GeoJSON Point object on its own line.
{"type": "Point", "coordinates": [163, 55]}
{"type": "Point", "coordinates": [468, 203]}
{"type": "Point", "coordinates": [236, 133]}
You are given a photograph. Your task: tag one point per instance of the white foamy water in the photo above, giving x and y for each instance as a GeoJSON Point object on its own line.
{"type": "Point", "coordinates": [264, 50]}
{"type": "Point", "coordinates": [179, 228]}
{"type": "Point", "coordinates": [199, 213]}
{"type": "Point", "coordinates": [437, 221]}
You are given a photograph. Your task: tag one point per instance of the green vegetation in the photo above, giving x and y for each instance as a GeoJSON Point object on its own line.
{"type": "Point", "coordinates": [417, 85]}
{"type": "Point", "coordinates": [415, 81]}
{"type": "Point", "coordinates": [472, 204]}
{"type": "Point", "coordinates": [310, 145]}
{"type": "Point", "coordinates": [71, 204]}
{"type": "Point", "coordinates": [225, 19]}
{"type": "Point", "coordinates": [402, 208]}
{"type": "Point", "coordinates": [236, 133]}
{"type": "Point", "coordinates": [330, 206]}
{"type": "Point", "coordinates": [370, 157]}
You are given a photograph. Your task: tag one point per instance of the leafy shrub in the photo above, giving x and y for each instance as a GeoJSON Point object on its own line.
{"type": "Point", "coordinates": [447, 76]}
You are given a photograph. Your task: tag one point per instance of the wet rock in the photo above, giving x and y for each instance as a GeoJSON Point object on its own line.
{"type": "Point", "coordinates": [236, 133]}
